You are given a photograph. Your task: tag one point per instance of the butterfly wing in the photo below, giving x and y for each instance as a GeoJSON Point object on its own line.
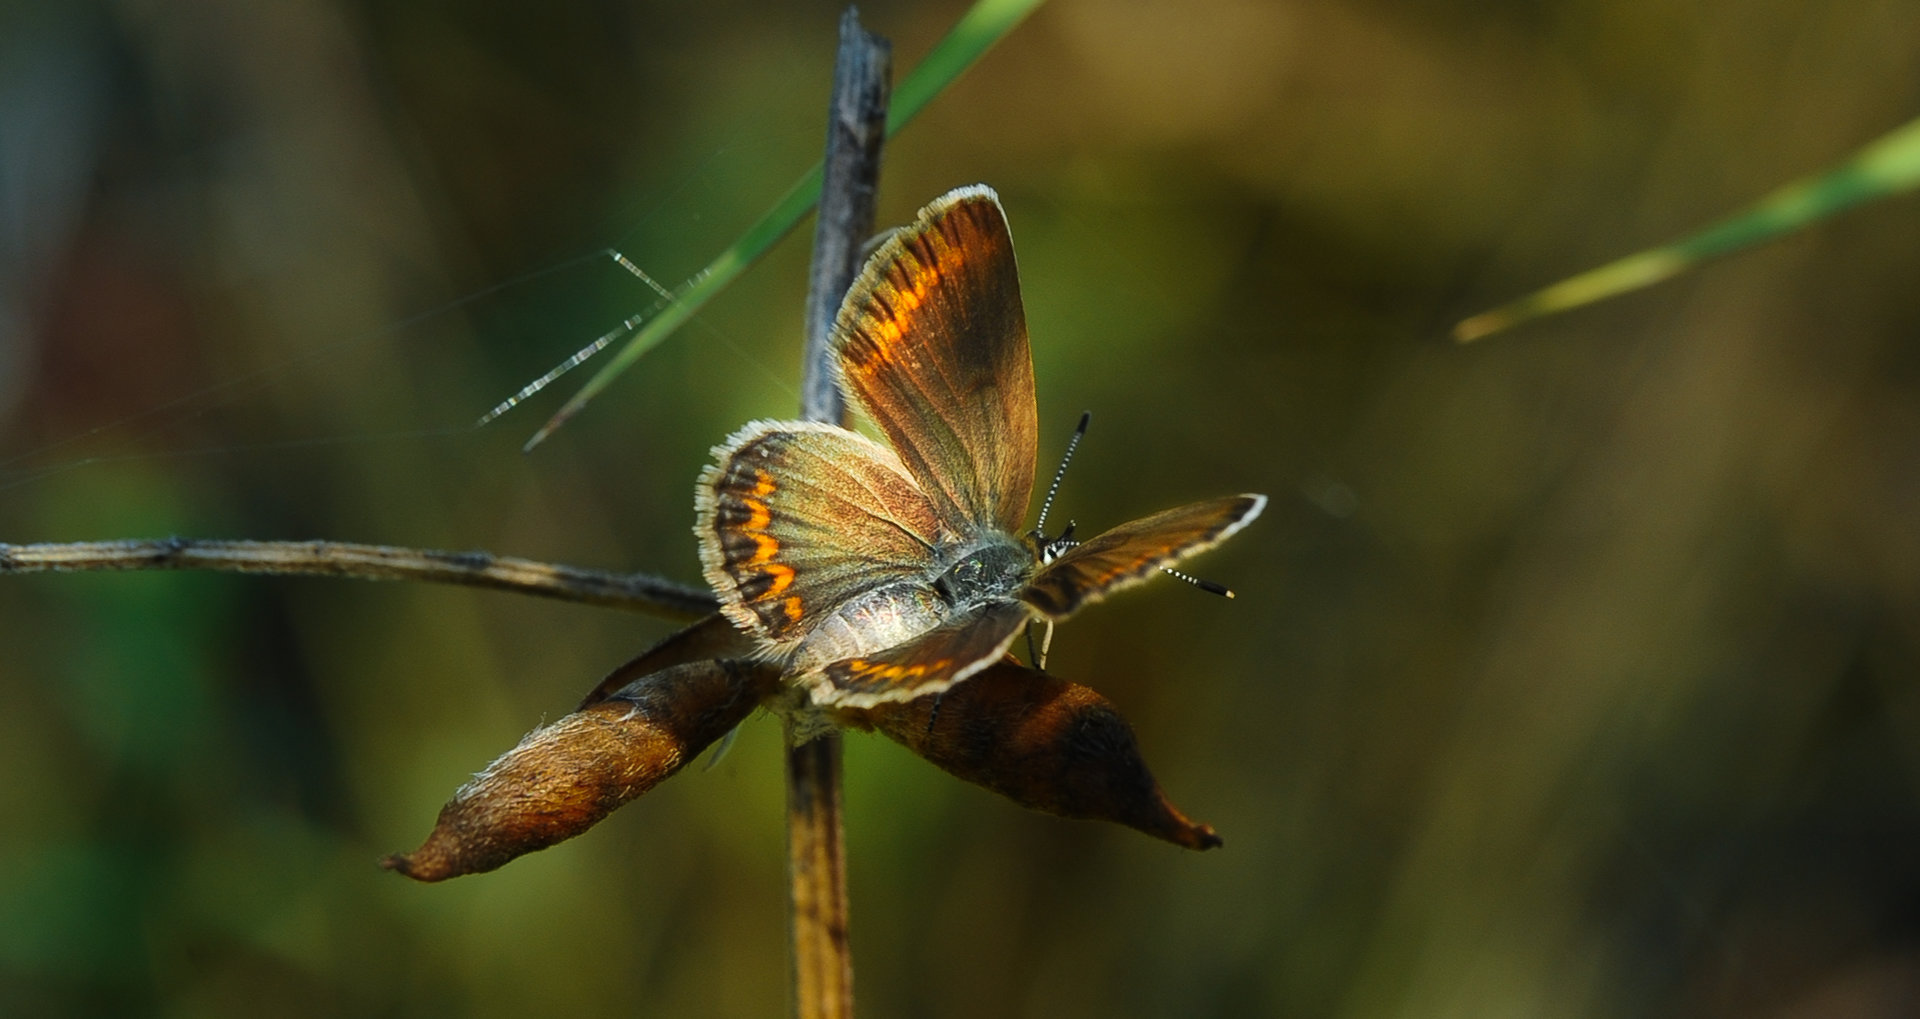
{"type": "Point", "coordinates": [932, 342]}
{"type": "Point", "coordinates": [794, 518]}
{"type": "Point", "coordinates": [927, 664]}
{"type": "Point", "coordinates": [1131, 552]}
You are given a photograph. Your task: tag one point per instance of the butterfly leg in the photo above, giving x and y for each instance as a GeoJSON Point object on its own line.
{"type": "Point", "coordinates": [1039, 657]}
{"type": "Point", "coordinates": [720, 749]}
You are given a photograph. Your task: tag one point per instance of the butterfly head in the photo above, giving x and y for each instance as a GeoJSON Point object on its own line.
{"type": "Point", "coordinates": [1045, 549]}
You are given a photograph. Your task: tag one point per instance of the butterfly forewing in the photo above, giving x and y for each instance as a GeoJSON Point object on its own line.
{"type": "Point", "coordinates": [1131, 552]}
{"type": "Point", "coordinates": [932, 342]}
{"type": "Point", "coordinates": [796, 518]}
{"type": "Point", "coordinates": [929, 663]}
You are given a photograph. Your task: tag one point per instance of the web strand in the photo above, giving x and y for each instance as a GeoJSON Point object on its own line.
{"type": "Point", "coordinates": [580, 357]}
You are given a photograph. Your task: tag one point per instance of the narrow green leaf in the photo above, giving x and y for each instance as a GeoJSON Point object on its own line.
{"type": "Point", "coordinates": [1887, 167]}
{"type": "Point", "coordinates": [985, 23]}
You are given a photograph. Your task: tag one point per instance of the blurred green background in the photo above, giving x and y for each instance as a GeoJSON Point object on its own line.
{"type": "Point", "coordinates": [1572, 674]}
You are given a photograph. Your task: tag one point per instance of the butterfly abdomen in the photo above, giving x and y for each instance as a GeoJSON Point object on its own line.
{"type": "Point", "coordinates": [869, 623]}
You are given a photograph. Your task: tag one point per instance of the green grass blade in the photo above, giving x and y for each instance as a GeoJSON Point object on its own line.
{"type": "Point", "coordinates": [1886, 167]}
{"type": "Point", "coordinates": [985, 23]}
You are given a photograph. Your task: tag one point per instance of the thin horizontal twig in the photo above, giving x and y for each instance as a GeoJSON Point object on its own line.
{"type": "Point", "coordinates": [634, 592]}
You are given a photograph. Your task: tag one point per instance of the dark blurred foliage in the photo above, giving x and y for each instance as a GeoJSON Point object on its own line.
{"type": "Point", "coordinates": [1573, 673]}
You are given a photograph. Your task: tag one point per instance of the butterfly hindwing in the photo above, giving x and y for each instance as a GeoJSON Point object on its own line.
{"type": "Point", "coordinates": [1131, 552]}
{"type": "Point", "coordinates": [794, 518]}
{"type": "Point", "coordinates": [929, 663]}
{"type": "Point", "coordinates": [932, 343]}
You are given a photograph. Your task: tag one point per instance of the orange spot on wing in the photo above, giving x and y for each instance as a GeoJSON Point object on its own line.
{"type": "Point", "coordinates": [792, 607]}
{"type": "Point", "coordinates": [869, 671]}
{"type": "Point", "coordinates": [759, 516]}
{"type": "Point", "coordinates": [887, 329]}
{"type": "Point", "coordinates": [782, 575]}
{"type": "Point", "coordinates": [765, 547]}
{"type": "Point", "coordinates": [909, 301]}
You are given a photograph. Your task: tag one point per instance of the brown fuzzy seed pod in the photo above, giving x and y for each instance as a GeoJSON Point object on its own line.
{"type": "Point", "coordinates": [712, 637]}
{"type": "Point", "coordinates": [1042, 742]}
{"type": "Point", "coordinates": [563, 778]}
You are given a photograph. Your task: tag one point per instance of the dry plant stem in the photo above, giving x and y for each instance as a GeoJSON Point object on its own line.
{"type": "Point", "coordinates": [635, 592]}
{"type": "Point", "coordinates": [817, 866]}
{"type": "Point", "coordinates": [856, 126]}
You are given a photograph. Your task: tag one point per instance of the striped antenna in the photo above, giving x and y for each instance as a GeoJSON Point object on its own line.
{"type": "Point", "coordinates": [1205, 585]}
{"type": "Point", "coordinates": [1063, 543]}
{"type": "Point", "coordinates": [580, 356]}
{"type": "Point", "coordinates": [1040, 525]}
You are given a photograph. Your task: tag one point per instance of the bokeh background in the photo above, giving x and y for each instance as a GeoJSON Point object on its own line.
{"type": "Point", "coordinates": [1572, 673]}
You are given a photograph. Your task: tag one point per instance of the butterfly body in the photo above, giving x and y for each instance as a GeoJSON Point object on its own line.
{"type": "Point", "coordinates": [996, 567]}
{"type": "Point", "coordinates": [885, 571]}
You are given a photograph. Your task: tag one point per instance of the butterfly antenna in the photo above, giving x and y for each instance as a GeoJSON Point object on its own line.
{"type": "Point", "coordinates": [1040, 525]}
{"type": "Point", "coordinates": [1205, 585]}
{"type": "Point", "coordinates": [1060, 545]}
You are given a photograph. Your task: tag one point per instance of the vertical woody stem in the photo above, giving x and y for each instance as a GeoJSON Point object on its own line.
{"type": "Point", "coordinates": [856, 125]}
{"type": "Point", "coordinates": [816, 855]}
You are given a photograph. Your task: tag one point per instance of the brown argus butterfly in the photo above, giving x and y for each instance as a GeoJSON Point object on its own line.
{"type": "Point", "coordinates": [885, 572]}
